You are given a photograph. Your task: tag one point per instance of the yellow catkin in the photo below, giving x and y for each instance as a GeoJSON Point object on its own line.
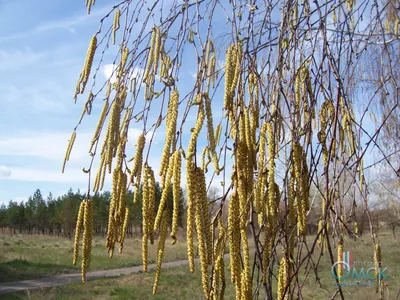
{"type": "Point", "coordinates": [112, 226]}
{"type": "Point", "coordinates": [99, 126]}
{"type": "Point", "coordinates": [191, 209]}
{"type": "Point", "coordinates": [176, 194]}
{"type": "Point", "coordinates": [334, 17]}
{"type": "Point", "coordinates": [69, 149]}
{"type": "Point", "coordinates": [88, 64]}
{"type": "Point", "coordinates": [282, 279]}
{"type": "Point", "coordinates": [340, 258]}
{"type": "Point", "coordinates": [122, 184]}
{"type": "Point", "coordinates": [262, 174]}
{"type": "Point", "coordinates": [138, 160]}
{"type": "Point", "coordinates": [241, 164]}
{"type": "Point", "coordinates": [87, 238]}
{"type": "Point", "coordinates": [145, 252]}
{"type": "Point", "coordinates": [301, 194]}
{"type": "Point", "coordinates": [219, 284]}
{"type": "Point", "coordinates": [137, 167]}
{"type": "Point", "coordinates": [292, 209]}
{"type": "Point", "coordinates": [78, 228]}
{"type": "Point", "coordinates": [113, 133]}
{"type": "Point", "coordinates": [305, 176]}
{"type": "Point", "coordinates": [356, 229]}
{"type": "Point", "coordinates": [145, 200]}
{"type": "Point", "coordinates": [210, 129]}
{"type": "Point", "coordinates": [123, 230]}
{"type": "Point", "coordinates": [160, 250]}
{"type": "Point", "coordinates": [307, 86]}
{"type": "Point", "coordinates": [116, 24]}
{"type": "Point", "coordinates": [218, 133]}
{"type": "Point", "coordinates": [378, 265]}
{"type": "Point", "coordinates": [124, 59]}
{"type": "Point", "coordinates": [150, 59]}
{"type": "Point", "coordinates": [361, 175]}
{"type": "Point", "coordinates": [201, 227]}
{"type": "Point", "coordinates": [238, 65]}
{"type": "Point", "coordinates": [212, 72]}
{"type": "Point", "coordinates": [164, 194]}
{"type": "Point", "coordinates": [230, 65]}
{"type": "Point", "coordinates": [115, 197]}
{"type": "Point", "coordinates": [202, 193]}
{"type": "Point", "coordinates": [250, 143]}
{"type": "Point", "coordinates": [101, 175]}
{"type": "Point", "coordinates": [204, 162]}
{"type": "Point", "coordinates": [89, 4]}
{"type": "Point", "coordinates": [271, 175]}
{"type": "Point", "coordinates": [172, 116]}
{"type": "Point", "coordinates": [321, 236]}
{"type": "Point", "coordinates": [151, 206]}
{"type": "Point", "coordinates": [197, 128]}
{"type": "Point", "coordinates": [268, 242]}
{"type": "Point", "coordinates": [234, 237]}
{"type": "Point", "coordinates": [325, 115]}
{"type": "Point", "coordinates": [157, 50]}
{"type": "Point", "coordinates": [297, 91]}
{"type": "Point", "coordinates": [246, 289]}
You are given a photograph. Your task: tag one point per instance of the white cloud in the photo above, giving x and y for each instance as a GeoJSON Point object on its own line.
{"type": "Point", "coordinates": [5, 172]}
{"type": "Point", "coordinates": [20, 199]}
{"type": "Point", "coordinates": [109, 72]}
{"type": "Point", "coordinates": [46, 145]}
{"type": "Point", "coordinates": [39, 175]}
{"type": "Point", "coordinates": [133, 134]}
{"type": "Point", "coordinates": [136, 72]}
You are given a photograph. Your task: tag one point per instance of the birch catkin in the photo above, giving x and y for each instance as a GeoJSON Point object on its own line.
{"type": "Point", "coordinates": [160, 250]}
{"type": "Point", "coordinates": [172, 116]}
{"type": "Point", "coordinates": [78, 228]}
{"type": "Point", "coordinates": [267, 160]}
{"type": "Point", "coordinates": [176, 193]}
{"type": "Point", "coordinates": [191, 210]}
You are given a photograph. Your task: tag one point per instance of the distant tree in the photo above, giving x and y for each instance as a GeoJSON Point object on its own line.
{"type": "Point", "coordinates": [3, 216]}
{"type": "Point", "coordinates": [40, 214]}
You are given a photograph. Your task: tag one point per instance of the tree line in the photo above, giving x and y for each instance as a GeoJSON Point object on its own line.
{"type": "Point", "coordinates": [57, 215]}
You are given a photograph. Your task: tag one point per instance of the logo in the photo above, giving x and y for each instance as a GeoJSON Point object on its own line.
{"type": "Point", "coordinates": [357, 273]}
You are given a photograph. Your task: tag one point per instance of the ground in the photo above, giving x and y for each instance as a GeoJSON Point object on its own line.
{"type": "Point", "coordinates": [175, 283]}
{"type": "Point", "coordinates": [34, 256]}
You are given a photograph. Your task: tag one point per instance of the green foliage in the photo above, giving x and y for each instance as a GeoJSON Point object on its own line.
{"type": "Point", "coordinates": [58, 215]}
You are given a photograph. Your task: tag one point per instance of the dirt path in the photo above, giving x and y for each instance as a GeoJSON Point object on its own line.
{"type": "Point", "coordinates": [17, 286]}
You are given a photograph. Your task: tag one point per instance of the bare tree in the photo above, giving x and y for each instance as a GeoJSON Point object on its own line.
{"type": "Point", "coordinates": [277, 90]}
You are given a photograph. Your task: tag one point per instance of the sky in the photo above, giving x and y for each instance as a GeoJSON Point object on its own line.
{"type": "Point", "coordinates": [41, 56]}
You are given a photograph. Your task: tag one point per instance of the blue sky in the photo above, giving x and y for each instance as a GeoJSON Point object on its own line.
{"type": "Point", "coordinates": [41, 56]}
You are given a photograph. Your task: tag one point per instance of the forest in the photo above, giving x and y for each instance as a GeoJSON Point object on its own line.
{"type": "Point", "coordinates": [57, 215]}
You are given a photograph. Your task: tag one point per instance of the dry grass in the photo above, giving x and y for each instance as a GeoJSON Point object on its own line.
{"type": "Point", "coordinates": [179, 283]}
{"type": "Point", "coordinates": [34, 256]}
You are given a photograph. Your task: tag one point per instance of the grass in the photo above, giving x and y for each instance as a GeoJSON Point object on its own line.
{"type": "Point", "coordinates": [32, 256]}
{"type": "Point", "coordinates": [175, 283]}
{"type": "Point", "coordinates": [179, 283]}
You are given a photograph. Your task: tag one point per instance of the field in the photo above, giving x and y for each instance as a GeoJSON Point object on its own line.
{"type": "Point", "coordinates": [177, 282]}
{"type": "Point", "coordinates": [34, 256]}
